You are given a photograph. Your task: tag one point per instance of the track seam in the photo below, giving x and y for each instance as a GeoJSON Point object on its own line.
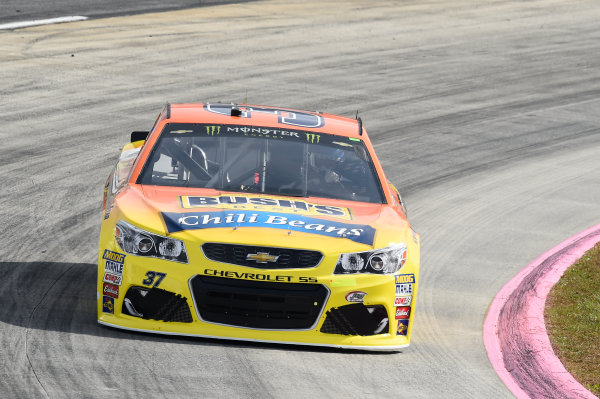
{"type": "Point", "coordinates": [514, 332]}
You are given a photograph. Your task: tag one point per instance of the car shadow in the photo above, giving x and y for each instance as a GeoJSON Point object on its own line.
{"type": "Point", "coordinates": [61, 297]}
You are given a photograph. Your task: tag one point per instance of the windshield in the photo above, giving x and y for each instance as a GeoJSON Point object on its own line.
{"type": "Point", "coordinates": [262, 160]}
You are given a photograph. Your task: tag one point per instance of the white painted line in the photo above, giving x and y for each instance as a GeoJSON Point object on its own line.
{"type": "Point", "coordinates": [36, 22]}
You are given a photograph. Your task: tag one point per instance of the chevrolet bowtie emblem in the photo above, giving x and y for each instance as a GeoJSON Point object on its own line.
{"type": "Point", "coordinates": [262, 257]}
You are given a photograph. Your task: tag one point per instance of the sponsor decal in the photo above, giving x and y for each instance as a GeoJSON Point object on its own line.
{"type": "Point", "coordinates": [404, 284]}
{"type": "Point", "coordinates": [402, 327]}
{"type": "Point", "coordinates": [403, 312]}
{"type": "Point", "coordinates": [259, 276]}
{"type": "Point", "coordinates": [404, 289]}
{"type": "Point", "coordinates": [313, 138]}
{"type": "Point", "coordinates": [404, 300]}
{"type": "Point", "coordinates": [111, 290]}
{"type": "Point", "coordinates": [212, 130]}
{"type": "Point", "coordinates": [113, 267]}
{"type": "Point", "coordinates": [405, 278]}
{"type": "Point", "coordinates": [114, 256]}
{"type": "Point", "coordinates": [108, 304]}
{"type": "Point", "coordinates": [266, 132]}
{"type": "Point", "coordinates": [176, 222]}
{"type": "Point", "coordinates": [262, 203]}
{"type": "Point", "coordinates": [112, 278]}
{"type": "Point", "coordinates": [114, 262]}
{"type": "Point", "coordinates": [355, 296]}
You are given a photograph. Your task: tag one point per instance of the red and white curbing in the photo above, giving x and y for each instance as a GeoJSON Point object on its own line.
{"type": "Point", "coordinates": [514, 332]}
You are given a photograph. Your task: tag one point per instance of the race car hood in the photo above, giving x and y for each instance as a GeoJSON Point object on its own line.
{"type": "Point", "coordinates": [211, 215]}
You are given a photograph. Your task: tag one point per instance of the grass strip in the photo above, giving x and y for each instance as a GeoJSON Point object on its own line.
{"type": "Point", "coordinates": [572, 316]}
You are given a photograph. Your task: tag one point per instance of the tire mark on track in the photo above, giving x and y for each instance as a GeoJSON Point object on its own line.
{"type": "Point", "coordinates": [28, 328]}
{"type": "Point", "coordinates": [511, 156]}
{"type": "Point", "coordinates": [324, 60]}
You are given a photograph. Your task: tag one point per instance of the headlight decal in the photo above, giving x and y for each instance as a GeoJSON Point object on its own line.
{"type": "Point", "coordinates": [136, 241]}
{"type": "Point", "coordinates": [379, 261]}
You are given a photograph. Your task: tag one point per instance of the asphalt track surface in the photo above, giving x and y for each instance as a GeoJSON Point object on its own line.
{"type": "Point", "coordinates": [485, 115]}
{"type": "Point", "coordinates": [26, 10]}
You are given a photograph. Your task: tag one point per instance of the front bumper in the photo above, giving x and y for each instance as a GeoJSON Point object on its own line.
{"type": "Point", "coordinates": [292, 306]}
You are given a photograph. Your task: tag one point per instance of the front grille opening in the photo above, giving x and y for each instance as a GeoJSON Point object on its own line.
{"type": "Point", "coordinates": [258, 304]}
{"type": "Point", "coordinates": [156, 304]}
{"type": "Point", "coordinates": [287, 258]}
{"type": "Point", "coordinates": [356, 319]}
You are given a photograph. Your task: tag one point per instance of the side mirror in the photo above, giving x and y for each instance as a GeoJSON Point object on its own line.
{"type": "Point", "coordinates": [137, 136]}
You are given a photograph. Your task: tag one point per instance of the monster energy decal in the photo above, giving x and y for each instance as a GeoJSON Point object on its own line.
{"type": "Point", "coordinates": [313, 138]}
{"type": "Point", "coordinates": [211, 130]}
{"type": "Point", "coordinates": [206, 130]}
{"type": "Point", "coordinates": [176, 222]}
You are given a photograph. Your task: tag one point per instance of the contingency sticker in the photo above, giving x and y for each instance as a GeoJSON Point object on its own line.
{"type": "Point", "coordinates": [111, 290]}
{"type": "Point", "coordinates": [403, 312]}
{"type": "Point", "coordinates": [108, 304]}
{"type": "Point", "coordinates": [402, 327]}
{"type": "Point", "coordinates": [356, 296]}
{"type": "Point", "coordinates": [404, 289]}
{"type": "Point", "coordinates": [405, 278]}
{"type": "Point", "coordinates": [403, 300]}
{"type": "Point", "coordinates": [114, 262]}
{"type": "Point", "coordinates": [175, 222]}
{"type": "Point", "coordinates": [112, 278]}
{"type": "Point", "coordinates": [262, 203]}
{"type": "Point", "coordinates": [404, 284]}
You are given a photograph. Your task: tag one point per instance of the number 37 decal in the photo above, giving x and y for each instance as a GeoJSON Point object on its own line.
{"type": "Point", "coordinates": [286, 117]}
{"type": "Point", "coordinates": [154, 278]}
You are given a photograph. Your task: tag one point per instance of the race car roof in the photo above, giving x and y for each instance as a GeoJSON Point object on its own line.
{"type": "Point", "coordinates": [259, 115]}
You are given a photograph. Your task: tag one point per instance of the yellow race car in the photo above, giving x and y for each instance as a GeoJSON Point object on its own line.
{"type": "Point", "coordinates": [257, 223]}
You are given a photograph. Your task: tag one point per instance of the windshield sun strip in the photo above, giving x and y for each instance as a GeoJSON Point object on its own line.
{"type": "Point", "coordinates": [222, 134]}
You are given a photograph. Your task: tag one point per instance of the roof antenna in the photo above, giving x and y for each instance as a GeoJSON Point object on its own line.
{"type": "Point", "coordinates": [359, 126]}
{"type": "Point", "coordinates": [356, 117]}
{"type": "Point", "coordinates": [246, 98]}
